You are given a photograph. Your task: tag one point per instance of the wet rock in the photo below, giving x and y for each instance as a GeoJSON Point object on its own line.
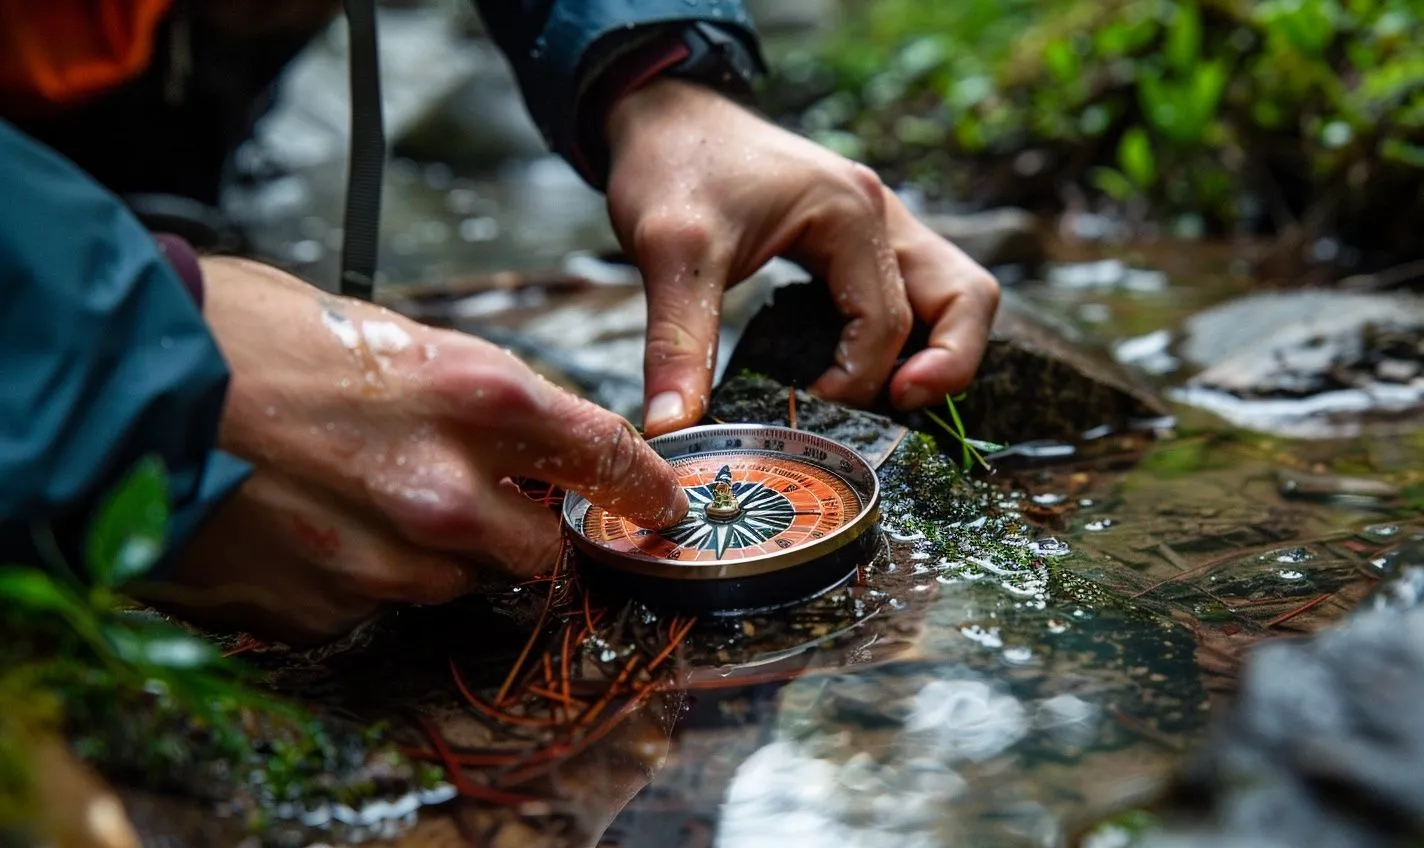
{"type": "Point", "coordinates": [1037, 380]}
{"type": "Point", "coordinates": [1326, 743]}
{"type": "Point", "coordinates": [1309, 364]}
{"type": "Point", "coordinates": [1004, 236]}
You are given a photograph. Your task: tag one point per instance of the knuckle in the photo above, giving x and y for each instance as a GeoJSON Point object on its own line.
{"type": "Point", "coordinates": [671, 234]}
{"type": "Point", "coordinates": [670, 340]}
{"type": "Point", "coordinates": [485, 391]}
{"type": "Point", "coordinates": [867, 186]}
{"type": "Point", "coordinates": [612, 445]}
{"type": "Point", "coordinates": [985, 285]}
{"type": "Point", "coordinates": [617, 462]}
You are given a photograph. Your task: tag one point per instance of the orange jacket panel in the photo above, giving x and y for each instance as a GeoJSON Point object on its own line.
{"type": "Point", "coordinates": [55, 53]}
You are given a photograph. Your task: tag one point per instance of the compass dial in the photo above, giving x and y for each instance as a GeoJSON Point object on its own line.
{"type": "Point", "coordinates": [779, 504]}
{"type": "Point", "coordinates": [764, 500]}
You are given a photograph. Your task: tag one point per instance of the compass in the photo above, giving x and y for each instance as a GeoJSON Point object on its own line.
{"type": "Point", "coordinates": [777, 516]}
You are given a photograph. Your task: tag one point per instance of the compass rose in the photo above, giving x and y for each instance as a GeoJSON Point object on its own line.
{"type": "Point", "coordinates": [730, 514]}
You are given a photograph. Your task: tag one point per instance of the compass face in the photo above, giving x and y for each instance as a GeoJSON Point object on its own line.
{"type": "Point", "coordinates": [763, 499]}
{"type": "Point", "coordinates": [780, 504]}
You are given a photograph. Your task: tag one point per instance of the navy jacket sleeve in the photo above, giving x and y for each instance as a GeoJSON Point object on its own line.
{"type": "Point", "coordinates": [105, 358]}
{"type": "Point", "coordinates": [549, 42]}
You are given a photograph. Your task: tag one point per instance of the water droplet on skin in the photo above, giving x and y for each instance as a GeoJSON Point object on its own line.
{"type": "Point", "coordinates": [341, 327]}
{"type": "Point", "coordinates": [384, 337]}
{"type": "Point", "coordinates": [270, 412]}
{"type": "Point", "coordinates": [345, 383]}
{"type": "Point", "coordinates": [400, 461]}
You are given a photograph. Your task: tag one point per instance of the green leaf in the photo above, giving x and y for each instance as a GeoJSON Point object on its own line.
{"type": "Point", "coordinates": [1061, 60]}
{"type": "Point", "coordinates": [127, 537]}
{"type": "Point", "coordinates": [1134, 154]}
{"type": "Point", "coordinates": [1398, 150]}
{"type": "Point", "coordinates": [161, 647]}
{"type": "Point", "coordinates": [1112, 183]}
{"type": "Point", "coordinates": [1184, 37]}
{"type": "Point", "coordinates": [27, 587]}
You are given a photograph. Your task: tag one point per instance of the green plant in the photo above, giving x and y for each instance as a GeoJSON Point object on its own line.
{"type": "Point", "coordinates": [971, 447]}
{"type": "Point", "coordinates": [1223, 111]}
{"type": "Point", "coordinates": [141, 696]}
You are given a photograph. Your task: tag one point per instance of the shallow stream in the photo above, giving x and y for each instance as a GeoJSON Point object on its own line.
{"type": "Point", "coordinates": [1031, 651]}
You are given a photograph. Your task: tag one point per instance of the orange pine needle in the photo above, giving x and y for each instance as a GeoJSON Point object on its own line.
{"type": "Point", "coordinates": [493, 712]}
{"type": "Point", "coordinates": [457, 775]}
{"type": "Point", "coordinates": [566, 700]}
{"type": "Point", "coordinates": [674, 641]}
{"type": "Point", "coordinates": [1305, 607]}
{"type": "Point", "coordinates": [499, 699]}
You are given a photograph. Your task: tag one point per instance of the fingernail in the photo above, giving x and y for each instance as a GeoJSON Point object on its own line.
{"type": "Point", "coordinates": [916, 397]}
{"type": "Point", "coordinates": [680, 506]}
{"type": "Point", "coordinates": [664, 409]}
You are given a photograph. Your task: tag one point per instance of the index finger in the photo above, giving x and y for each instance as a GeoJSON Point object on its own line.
{"type": "Point", "coordinates": [580, 446]}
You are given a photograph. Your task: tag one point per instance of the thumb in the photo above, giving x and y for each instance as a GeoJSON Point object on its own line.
{"type": "Point", "coordinates": [684, 288]}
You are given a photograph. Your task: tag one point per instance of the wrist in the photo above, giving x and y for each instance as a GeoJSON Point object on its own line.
{"type": "Point", "coordinates": [723, 62]}
{"type": "Point", "coordinates": [660, 102]}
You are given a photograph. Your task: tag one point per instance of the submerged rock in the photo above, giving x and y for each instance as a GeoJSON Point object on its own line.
{"type": "Point", "coordinates": [1326, 743]}
{"type": "Point", "coordinates": [1310, 364]}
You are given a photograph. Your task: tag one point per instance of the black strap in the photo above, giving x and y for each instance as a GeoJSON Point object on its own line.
{"type": "Point", "coordinates": [362, 230]}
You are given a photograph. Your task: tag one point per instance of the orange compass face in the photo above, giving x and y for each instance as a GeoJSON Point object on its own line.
{"type": "Point", "coordinates": [743, 505]}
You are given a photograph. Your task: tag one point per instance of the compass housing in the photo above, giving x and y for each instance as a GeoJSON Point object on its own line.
{"type": "Point", "coordinates": [778, 516]}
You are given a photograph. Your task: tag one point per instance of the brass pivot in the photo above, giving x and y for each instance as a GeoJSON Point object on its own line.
{"type": "Point", "coordinates": [724, 506]}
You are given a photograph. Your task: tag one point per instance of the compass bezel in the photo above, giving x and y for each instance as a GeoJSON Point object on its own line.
{"type": "Point", "coordinates": [772, 441]}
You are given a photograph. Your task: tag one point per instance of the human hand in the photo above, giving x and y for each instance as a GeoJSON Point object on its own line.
{"type": "Point", "coordinates": [383, 451]}
{"type": "Point", "coordinates": [702, 193]}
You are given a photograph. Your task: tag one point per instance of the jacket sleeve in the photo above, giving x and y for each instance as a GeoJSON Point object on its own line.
{"type": "Point", "coordinates": [105, 358]}
{"type": "Point", "coordinates": [551, 45]}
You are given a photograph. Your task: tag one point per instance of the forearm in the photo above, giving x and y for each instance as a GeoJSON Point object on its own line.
{"type": "Point", "coordinates": [569, 55]}
{"type": "Point", "coordinates": [107, 359]}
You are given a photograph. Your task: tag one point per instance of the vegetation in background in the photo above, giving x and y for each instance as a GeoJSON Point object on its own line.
{"type": "Point", "coordinates": [1248, 115]}
{"type": "Point", "coordinates": [143, 699]}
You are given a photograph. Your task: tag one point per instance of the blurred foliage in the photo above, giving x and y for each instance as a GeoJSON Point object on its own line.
{"type": "Point", "coordinates": [142, 698]}
{"type": "Point", "coordinates": [1239, 113]}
